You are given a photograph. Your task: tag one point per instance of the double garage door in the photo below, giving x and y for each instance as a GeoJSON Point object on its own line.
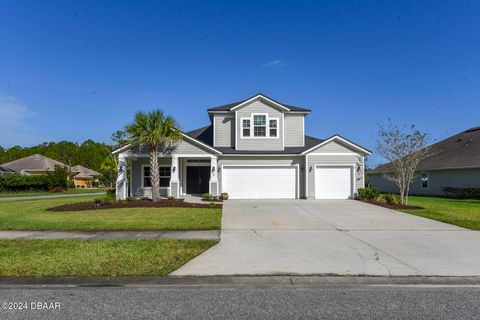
{"type": "Point", "coordinates": [262, 182]}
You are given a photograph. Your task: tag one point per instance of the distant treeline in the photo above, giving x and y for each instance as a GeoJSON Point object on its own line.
{"type": "Point", "coordinates": [89, 154]}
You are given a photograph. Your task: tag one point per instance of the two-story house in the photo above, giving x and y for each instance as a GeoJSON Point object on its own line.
{"type": "Point", "coordinates": [252, 149]}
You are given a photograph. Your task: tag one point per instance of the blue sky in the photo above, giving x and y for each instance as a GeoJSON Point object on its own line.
{"type": "Point", "coordinates": [80, 70]}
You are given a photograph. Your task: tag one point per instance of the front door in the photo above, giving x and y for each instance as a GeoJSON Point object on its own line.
{"type": "Point", "coordinates": [198, 179]}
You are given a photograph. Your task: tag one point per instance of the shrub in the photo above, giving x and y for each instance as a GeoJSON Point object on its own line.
{"type": "Point", "coordinates": [389, 198]}
{"type": "Point", "coordinates": [461, 192]}
{"type": "Point", "coordinates": [111, 194]}
{"type": "Point", "coordinates": [171, 198]}
{"type": "Point", "coordinates": [369, 193]}
{"type": "Point", "coordinates": [224, 196]}
{"type": "Point", "coordinates": [207, 196]}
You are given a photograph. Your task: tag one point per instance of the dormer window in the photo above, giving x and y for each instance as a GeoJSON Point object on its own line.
{"type": "Point", "coordinates": [273, 127]}
{"type": "Point", "coordinates": [259, 125]}
{"type": "Point", "coordinates": [246, 127]}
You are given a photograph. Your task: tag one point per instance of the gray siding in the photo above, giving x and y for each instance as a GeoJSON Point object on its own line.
{"type": "Point", "coordinates": [183, 147]}
{"type": "Point", "coordinates": [332, 147]}
{"type": "Point", "coordinates": [224, 125]}
{"type": "Point", "coordinates": [350, 160]}
{"type": "Point", "coordinates": [136, 177]}
{"type": "Point", "coordinates": [300, 160]}
{"type": "Point", "coordinates": [186, 147]}
{"type": "Point", "coordinates": [294, 131]}
{"type": "Point", "coordinates": [437, 180]}
{"type": "Point", "coordinates": [259, 143]}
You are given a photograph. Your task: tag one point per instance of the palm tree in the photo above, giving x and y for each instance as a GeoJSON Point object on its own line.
{"type": "Point", "coordinates": [159, 133]}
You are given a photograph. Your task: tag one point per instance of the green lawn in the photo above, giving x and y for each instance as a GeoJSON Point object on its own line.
{"type": "Point", "coordinates": [32, 215]}
{"type": "Point", "coordinates": [461, 212]}
{"type": "Point", "coordinates": [44, 193]}
{"type": "Point", "coordinates": [97, 258]}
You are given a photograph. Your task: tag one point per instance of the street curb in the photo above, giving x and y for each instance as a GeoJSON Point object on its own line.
{"type": "Point", "coordinates": [294, 281]}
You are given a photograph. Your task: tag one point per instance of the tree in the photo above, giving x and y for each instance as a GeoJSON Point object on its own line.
{"type": "Point", "coordinates": [160, 134]}
{"type": "Point", "coordinates": [404, 148]}
{"type": "Point", "coordinates": [119, 139]}
{"type": "Point", "coordinates": [108, 169]}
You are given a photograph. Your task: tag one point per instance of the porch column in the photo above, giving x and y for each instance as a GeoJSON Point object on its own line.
{"type": "Point", "coordinates": [213, 176]}
{"type": "Point", "coordinates": [122, 181]}
{"type": "Point", "coordinates": [174, 178]}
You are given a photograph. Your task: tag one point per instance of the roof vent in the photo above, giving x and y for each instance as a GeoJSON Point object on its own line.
{"type": "Point", "coordinates": [459, 139]}
{"type": "Point", "coordinates": [468, 142]}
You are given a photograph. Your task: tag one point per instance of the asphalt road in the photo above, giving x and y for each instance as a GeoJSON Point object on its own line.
{"type": "Point", "coordinates": [246, 302]}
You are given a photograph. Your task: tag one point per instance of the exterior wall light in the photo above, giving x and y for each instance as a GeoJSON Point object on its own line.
{"type": "Point", "coordinates": [213, 169]}
{"type": "Point", "coordinates": [310, 169]}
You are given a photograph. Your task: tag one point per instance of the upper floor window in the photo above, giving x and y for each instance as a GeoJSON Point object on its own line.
{"type": "Point", "coordinates": [424, 180]}
{"type": "Point", "coordinates": [273, 128]}
{"type": "Point", "coordinates": [246, 127]}
{"type": "Point", "coordinates": [259, 125]}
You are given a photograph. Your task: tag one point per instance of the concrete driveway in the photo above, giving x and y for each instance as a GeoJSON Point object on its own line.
{"type": "Point", "coordinates": [334, 237]}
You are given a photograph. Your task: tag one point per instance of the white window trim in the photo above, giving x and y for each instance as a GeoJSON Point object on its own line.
{"type": "Point", "coordinates": [143, 175]}
{"type": "Point", "coordinates": [249, 128]}
{"type": "Point", "coordinates": [267, 126]}
{"type": "Point", "coordinates": [277, 128]}
{"type": "Point", "coordinates": [421, 180]}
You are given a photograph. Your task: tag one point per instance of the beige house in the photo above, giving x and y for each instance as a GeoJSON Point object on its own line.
{"type": "Point", "coordinates": [84, 177]}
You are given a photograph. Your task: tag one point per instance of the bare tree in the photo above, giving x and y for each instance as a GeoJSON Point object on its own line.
{"type": "Point", "coordinates": [404, 147]}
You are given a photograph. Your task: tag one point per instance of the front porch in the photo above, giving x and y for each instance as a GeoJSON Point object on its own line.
{"type": "Point", "coordinates": [180, 175]}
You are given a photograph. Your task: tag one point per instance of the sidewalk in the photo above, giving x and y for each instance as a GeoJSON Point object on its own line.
{"type": "Point", "coordinates": [111, 235]}
{"type": "Point", "coordinates": [53, 196]}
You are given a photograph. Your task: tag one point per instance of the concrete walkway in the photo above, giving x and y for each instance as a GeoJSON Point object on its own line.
{"type": "Point", "coordinates": [265, 237]}
{"type": "Point", "coordinates": [111, 235]}
{"type": "Point", "coordinates": [53, 196]}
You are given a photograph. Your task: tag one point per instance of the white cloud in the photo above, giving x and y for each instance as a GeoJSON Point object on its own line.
{"type": "Point", "coordinates": [274, 64]}
{"type": "Point", "coordinates": [14, 128]}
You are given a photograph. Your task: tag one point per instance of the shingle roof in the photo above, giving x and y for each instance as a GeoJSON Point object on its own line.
{"type": "Point", "coordinates": [459, 151]}
{"type": "Point", "coordinates": [35, 162]}
{"type": "Point", "coordinates": [85, 172]}
{"type": "Point", "coordinates": [205, 135]}
{"type": "Point", "coordinates": [229, 106]}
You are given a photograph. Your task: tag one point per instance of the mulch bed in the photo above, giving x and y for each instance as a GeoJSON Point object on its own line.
{"type": "Point", "coordinates": [81, 206]}
{"type": "Point", "coordinates": [395, 206]}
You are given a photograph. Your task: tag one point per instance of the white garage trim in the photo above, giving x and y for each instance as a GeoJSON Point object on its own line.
{"type": "Point", "coordinates": [352, 176]}
{"type": "Point", "coordinates": [295, 166]}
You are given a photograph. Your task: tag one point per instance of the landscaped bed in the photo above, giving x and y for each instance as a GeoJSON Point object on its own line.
{"type": "Point", "coordinates": [91, 205]}
{"type": "Point", "coordinates": [34, 215]}
{"type": "Point", "coordinates": [395, 206]}
{"type": "Point", "coordinates": [97, 258]}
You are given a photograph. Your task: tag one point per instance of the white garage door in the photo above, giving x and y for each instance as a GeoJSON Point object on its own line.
{"type": "Point", "coordinates": [259, 182]}
{"type": "Point", "coordinates": [333, 182]}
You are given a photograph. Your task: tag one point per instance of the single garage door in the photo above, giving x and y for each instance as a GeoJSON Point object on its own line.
{"type": "Point", "coordinates": [333, 182]}
{"type": "Point", "coordinates": [259, 182]}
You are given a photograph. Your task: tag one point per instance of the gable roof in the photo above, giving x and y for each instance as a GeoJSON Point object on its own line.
{"type": "Point", "coordinates": [343, 140]}
{"type": "Point", "coordinates": [231, 106]}
{"type": "Point", "coordinates": [84, 172]}
{"type": "Point", "coordinates": [35, 162]}
{"type": "Point", "coordinates": [460, 151]}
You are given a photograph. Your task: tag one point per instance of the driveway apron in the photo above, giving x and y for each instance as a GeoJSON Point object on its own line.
{"type": "Point", "coordinates": [342, 237]}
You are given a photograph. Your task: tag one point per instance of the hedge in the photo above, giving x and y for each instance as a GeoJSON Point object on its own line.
{"type": "Point", "coordinates": [16, 182]}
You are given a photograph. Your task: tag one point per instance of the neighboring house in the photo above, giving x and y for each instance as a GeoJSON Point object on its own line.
{"type": "Point", "coordinates": [34, 164]}
{"type": "Point", "coordinates": [84, 177]}
{"type": "Point", "coordinates": [455, 162]}
{"type": "Point", "coordinates": [5, 170]}
{"type": "Point", "coordinates": [252, 149]}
